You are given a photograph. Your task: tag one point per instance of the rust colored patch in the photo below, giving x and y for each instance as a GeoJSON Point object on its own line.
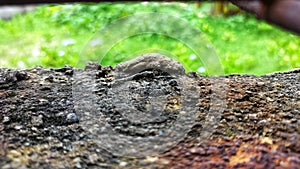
{"type": "Point", "coordinates": [236, 153]}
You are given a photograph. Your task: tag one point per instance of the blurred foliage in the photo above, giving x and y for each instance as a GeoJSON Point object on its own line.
{"type": "Point", "coordinates": [55, 35]}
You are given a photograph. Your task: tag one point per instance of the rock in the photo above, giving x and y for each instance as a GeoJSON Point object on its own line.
{"type": "Point", "coordinates": [52, 119]}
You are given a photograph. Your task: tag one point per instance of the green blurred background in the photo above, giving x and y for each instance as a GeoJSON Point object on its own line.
{"type": "Point", "coordinates": [55, 35]}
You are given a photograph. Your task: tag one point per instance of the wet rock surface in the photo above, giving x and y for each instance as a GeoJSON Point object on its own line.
{"type": "Point", "coordinates": [55, 118]}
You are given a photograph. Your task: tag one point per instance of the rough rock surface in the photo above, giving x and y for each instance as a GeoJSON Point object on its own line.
{"type": "Point", "coordinates": [46, 122]}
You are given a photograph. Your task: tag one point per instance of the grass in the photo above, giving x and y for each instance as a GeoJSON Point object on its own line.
{"type": "Point", "coordinates": [56, 35]}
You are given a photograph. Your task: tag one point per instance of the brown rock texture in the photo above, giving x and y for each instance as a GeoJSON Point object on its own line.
{"type": "Point", "coordinates": [42, 124]}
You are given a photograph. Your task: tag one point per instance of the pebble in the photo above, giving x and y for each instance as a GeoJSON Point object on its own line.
{"type": "Point", "coordinates": [123, 164]}
{"type": "Point", "coordinates": [21, 75]}
{"type": "Point", "coordinates": [72, 118]}
{"type": "Point", "coordinates": [78, 165]}
{"type": "Point", "coordinates": [37, 120]}
{"type": "Point", "coordinates": [6, 119]}
{"type": "Point", "coordinates": [18, 127]}
{"type": "Point", "coordinates": [151, 159]}
{"type": "Point", "coordinates": [252, 116]}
